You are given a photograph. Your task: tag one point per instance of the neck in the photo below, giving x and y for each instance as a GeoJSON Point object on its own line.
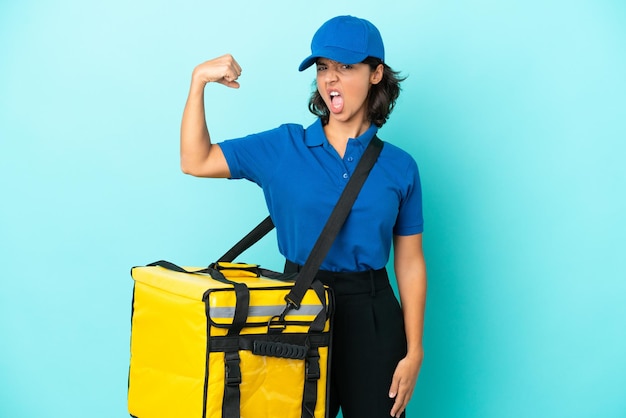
{"type": "Point", "coordinates": [339, 133]}
{"type": "Point", "coordinates": [346, 130]}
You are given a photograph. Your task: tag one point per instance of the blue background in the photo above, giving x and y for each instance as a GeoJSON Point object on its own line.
{"type": "Point", "coordinates": [514, 110]}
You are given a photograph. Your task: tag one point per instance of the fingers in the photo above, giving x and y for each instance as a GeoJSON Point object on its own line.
{"type": "Point", "coordinates": [402, 390]}
{"type": "Point", "coordinates": [400, 404]}
{"type": "Point", "coordinates": [230, 78]}
{"type": "Point", "coordinates": [395, 385]}
{"type": "Point", "coordinates": [224, 70]}
{"type": "Point", "coordinates": [231, 70]}
{"type": "Point", "coordinates": [395, 392]}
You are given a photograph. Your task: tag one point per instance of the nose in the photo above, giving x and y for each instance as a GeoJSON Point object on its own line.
{"type": "Point", "coordinates": [330, 74]}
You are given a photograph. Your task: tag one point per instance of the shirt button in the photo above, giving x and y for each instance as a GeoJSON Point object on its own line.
{"type": "Point", "coordinates": [345, 175]}
{"type": "Point", "coordinates": [350, 159]}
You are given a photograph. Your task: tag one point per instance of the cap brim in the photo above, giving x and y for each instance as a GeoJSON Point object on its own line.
{"type": "Point", "coordinates": [335, 54]}
{"type": "Point", "coordinates": [307, 63]}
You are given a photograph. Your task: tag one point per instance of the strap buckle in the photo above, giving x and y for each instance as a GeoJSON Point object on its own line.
{"type": "Point", "coordinates": [291, 304]}
{"type": "Point", "coordinates": [232, 370]}
{"type": "Point", "coordinates": [313, 365]}
{"type": "Point", "coordinates": [277, 323]}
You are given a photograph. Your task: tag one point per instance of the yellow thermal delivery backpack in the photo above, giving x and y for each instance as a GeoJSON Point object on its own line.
{"type": "Point", "coordinates": [204, 347]}
{"type": "Point", "coordinates": [234, 340]}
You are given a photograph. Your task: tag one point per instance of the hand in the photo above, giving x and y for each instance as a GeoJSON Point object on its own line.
{"type": "Point", "coordinates": [403, 383]}
{"type": "Point", "coordinates": [224, 70]}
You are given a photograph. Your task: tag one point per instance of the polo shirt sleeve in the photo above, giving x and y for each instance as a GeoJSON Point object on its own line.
{"type": "Point", "coordinates": [410, 219]}
{"type": "Point", "coordinates": [255, 157]}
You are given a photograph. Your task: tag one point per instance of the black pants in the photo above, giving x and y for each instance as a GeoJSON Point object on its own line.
{"type": "Point", "coordinates": [368, 342]}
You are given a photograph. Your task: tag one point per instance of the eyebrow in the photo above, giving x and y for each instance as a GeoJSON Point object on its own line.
{"type": "Point", "coordinates": [327, 61]}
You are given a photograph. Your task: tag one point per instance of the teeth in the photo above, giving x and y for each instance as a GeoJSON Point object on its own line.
{"type": "Point", "coordinates": [334, 93]}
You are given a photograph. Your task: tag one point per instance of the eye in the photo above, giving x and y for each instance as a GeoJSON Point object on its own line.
{"type": "Point", "coordinates": [321, 67]}
{"type": "Point", "coordinates": [347, 66]}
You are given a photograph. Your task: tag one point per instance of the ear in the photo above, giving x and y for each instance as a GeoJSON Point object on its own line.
{"type": "Point", "coordinates": [376, 76]}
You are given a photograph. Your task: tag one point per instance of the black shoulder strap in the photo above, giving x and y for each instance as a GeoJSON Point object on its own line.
{"type": "Point", "coordinates": [328, 234]}
{"type": "Point", "coordinates": [249, 240]}
{"type": "Point", "coordinates": [334, 223]}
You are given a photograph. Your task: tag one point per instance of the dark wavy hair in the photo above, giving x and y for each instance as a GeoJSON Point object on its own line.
{"type": "Point", "coordinates": [381, 98]}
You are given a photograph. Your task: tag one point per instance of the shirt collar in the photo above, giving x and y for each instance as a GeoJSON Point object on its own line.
{"type": "Point", "coordinates": [315, 136]}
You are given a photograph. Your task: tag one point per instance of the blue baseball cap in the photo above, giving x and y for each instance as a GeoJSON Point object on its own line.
{"type": "Point", "coordinates": [345, 39]}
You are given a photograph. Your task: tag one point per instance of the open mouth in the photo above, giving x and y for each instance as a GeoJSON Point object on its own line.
{"type": "Point", "coordinates": [336, 101]}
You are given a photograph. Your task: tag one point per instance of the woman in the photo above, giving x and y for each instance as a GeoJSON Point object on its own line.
{"type": "Point", "coordinates": [377, 351]}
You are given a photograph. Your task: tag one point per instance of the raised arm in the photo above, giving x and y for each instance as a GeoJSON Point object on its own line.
{"type": "Point", "coordinates": [198, 156]}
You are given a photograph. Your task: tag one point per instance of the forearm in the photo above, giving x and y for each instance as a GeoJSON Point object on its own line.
{"type": "Point", "coordinates": [197, 155]}
{"type": "Point", "coordinates": [195, 142]}
{"type": "Point", "coordinates": [412, 288]}
{"type": "Point", "coordinates": [410, 269]}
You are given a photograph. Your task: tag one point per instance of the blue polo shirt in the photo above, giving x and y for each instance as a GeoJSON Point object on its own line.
{"type": "Point", "coordinates": [302, 177]}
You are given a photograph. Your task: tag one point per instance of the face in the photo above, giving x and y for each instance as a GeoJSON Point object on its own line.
{"type": "Point", "coordinates": [344, 88]}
